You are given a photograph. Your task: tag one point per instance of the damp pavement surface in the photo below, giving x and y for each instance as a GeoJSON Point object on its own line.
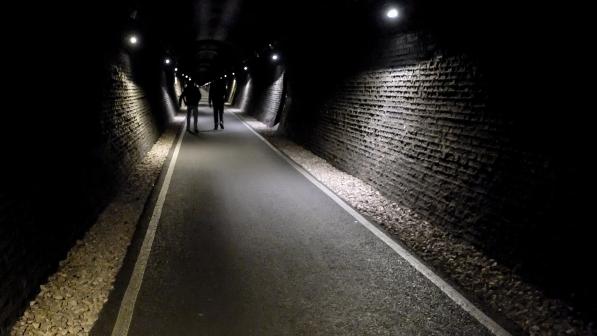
{"type": "Point", "coordinates": [246, 245]}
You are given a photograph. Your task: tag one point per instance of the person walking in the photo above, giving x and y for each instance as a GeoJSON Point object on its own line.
{"type": "Point", "coordinates": [191, 97]}
{"type": "Point", "coordinates": [217, 97]}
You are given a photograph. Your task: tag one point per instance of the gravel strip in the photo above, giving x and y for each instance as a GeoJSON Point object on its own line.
{"type": "Point", "coordinates": [463, 263]}
{"type": "Point", "coordinates": [70, 302]}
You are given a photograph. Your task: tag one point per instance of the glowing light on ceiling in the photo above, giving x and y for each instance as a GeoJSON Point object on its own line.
{"type": "Point", "coordinates": [392, 13]}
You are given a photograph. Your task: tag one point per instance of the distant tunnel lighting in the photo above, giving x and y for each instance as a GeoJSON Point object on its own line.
{"type": "Point", "coordinates": [246, 68]}
{"type": "Point", "coordinates": [167, 61]}
{"type": "Point", "coordinates": [175, 69]}
{"type": "Point", "coordinates": [233, 74]}
{"type": "Point", "coordinates": [275, 57]}
{"type": "Point", "coordinates": [225, 76]}
{"type": "Point", "coordinates": [392, 13]}
{"type": "Point", "coordinates": [133, 40]}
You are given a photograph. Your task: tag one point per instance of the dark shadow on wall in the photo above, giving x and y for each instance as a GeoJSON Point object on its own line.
{"type": "Point", "coordinates": [69, 138]}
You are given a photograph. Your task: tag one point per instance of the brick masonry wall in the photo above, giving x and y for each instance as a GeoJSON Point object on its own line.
{"type": "Point", "coordinates": [422, 114]}
{"type": "Point", "coordinates": [432, 130]}
{"type": "Point", "coordinates": [53, 198]}
{"type": "Point", "coordinates": [264, 103]}
{"type": "Point", "coordinates": [243, 92]}
{"type": "Point", "coordinates": [127, 123]}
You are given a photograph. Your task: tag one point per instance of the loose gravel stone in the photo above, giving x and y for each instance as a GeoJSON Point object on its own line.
{"type": "Point", "coordinates": [464, 264]}
{"type": "Point", "coordinates": [70, 302]}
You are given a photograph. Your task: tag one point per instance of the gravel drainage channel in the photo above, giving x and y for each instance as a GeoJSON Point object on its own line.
{"type": "Point", "coordinates": [71, 300]}
{"type": "Point", "coordinates": [482, 278]}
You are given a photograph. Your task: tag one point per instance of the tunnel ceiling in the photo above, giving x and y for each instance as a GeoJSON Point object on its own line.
{"type": "Point", "coordinates": [206, 37]}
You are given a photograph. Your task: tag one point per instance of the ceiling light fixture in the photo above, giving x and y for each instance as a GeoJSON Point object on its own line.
{"type": "Point", "coordinates": [133, 39]}
{"type": "Point", "coordinates": [392, 13]}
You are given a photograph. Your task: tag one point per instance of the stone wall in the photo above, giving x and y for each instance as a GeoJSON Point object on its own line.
{"type": "Point", "coordinates": [64, 173]}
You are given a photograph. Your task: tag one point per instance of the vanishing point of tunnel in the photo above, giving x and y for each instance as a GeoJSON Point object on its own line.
{"type": "Point", "coordinates": [244, 167]}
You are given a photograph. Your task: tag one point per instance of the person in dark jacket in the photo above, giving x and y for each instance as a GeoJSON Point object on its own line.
{"type": "Point", "coordinates": [191, 97]}
{"type": "Point", "coordinates": [217, 97]}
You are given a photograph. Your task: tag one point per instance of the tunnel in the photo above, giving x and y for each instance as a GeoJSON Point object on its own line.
{"type": "Point", "coordinates": [407, 167]}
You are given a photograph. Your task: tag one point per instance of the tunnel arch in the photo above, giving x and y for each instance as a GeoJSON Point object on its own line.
{"type": "Point", "coordinates": [444, 112]}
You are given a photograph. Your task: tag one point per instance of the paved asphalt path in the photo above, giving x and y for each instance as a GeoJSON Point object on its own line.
{"type": "Point", "coordinates": [246, 245]}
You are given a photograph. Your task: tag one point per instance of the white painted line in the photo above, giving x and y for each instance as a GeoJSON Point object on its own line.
{"type": "Point", "coordinates": [450, 291]}
{"type": "Point", "coordinates": [127, 306]}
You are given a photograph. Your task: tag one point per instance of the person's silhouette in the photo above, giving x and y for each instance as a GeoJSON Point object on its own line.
{"type": "Point", "coordinates": [217, 97]}
{"type": "Point", "coordinates": [191, 97]}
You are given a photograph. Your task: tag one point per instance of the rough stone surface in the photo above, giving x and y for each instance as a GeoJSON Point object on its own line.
{"type": "Point", "coordinates": [466, 265]}
{"type": "Point", "coordinates": [265, 98]}
{"type": "Point", "coordinates": [424, 114]}
{"type": "Point", "coordinates": [70, 301]}
{"type": "Point", "coordinates": [467, 142]}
